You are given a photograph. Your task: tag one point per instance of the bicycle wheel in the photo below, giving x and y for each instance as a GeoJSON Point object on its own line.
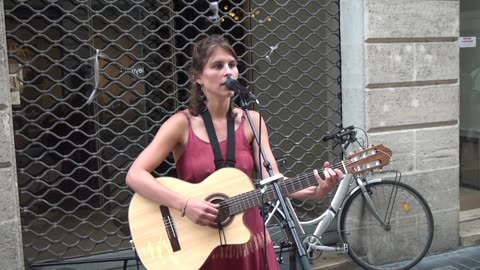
{"type": "Point", "coordinates": [282, 240]}
{"type": "Point", "coordinates": [399, 245]}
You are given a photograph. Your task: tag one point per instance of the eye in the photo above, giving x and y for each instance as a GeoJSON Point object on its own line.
{"type": "Point", "coordinates": [232, 65]}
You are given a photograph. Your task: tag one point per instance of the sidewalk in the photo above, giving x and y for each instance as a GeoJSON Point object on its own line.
{"type": "Point", "coordinates": [463, 258]}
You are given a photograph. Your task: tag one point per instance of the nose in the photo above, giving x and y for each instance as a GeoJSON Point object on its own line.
{"type": "Point", "coordinates": [228, 70]}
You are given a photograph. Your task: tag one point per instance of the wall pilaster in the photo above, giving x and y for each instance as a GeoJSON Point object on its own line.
{"type": "Point", "coordinates": [400, 71]}
{"type": "Point", "coordinates": [11, 249]}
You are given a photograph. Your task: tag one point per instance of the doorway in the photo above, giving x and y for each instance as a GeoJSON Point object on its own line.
{"type": "Point", "coordinates": [469, 105]}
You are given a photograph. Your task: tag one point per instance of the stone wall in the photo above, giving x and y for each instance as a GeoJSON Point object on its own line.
{"type": "Point", "coordinates": [400, 71]}
{"type": "Point", "coordinates": [11, 249]}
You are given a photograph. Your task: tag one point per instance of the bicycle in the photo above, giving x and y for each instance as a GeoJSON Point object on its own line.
{"type": "Point", "coordinates": [376, 218]}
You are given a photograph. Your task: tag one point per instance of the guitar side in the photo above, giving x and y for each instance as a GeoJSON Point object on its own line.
{"type": "Point", "coordinates": [187, 245]}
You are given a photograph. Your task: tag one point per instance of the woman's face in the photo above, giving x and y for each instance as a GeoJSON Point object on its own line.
{"type": "Point", "coordinates": [218, 68]}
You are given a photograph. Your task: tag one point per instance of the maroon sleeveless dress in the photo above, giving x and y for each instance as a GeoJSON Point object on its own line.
{"type": "Point", "coordinates": [196, 164]}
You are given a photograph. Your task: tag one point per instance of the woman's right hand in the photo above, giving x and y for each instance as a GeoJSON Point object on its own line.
{"type": "Point", "coordinates": [201, 212]}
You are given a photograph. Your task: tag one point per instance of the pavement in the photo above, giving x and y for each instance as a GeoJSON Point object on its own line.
{"type": "Point", "coordinates": [462, 258]}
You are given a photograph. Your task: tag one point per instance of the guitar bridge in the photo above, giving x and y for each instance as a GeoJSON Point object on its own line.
{"type": "Point", "coordinates": [170, 228]}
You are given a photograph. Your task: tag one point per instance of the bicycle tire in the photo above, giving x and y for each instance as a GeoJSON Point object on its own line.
{"type": "Point", "coordinates": [410, 231]}
{"type": "Point", "coordinates": [282, 241]}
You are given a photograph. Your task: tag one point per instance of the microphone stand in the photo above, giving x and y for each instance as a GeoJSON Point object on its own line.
{"type": "Point", "coordinates": [244, 101]}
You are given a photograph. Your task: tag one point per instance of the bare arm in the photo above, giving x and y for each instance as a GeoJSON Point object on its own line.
{"type": "Point", "coordinates": [139, 176]}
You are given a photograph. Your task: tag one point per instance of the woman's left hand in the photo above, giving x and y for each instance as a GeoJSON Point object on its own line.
{"type": "Point", "coordinates": [332, 178]}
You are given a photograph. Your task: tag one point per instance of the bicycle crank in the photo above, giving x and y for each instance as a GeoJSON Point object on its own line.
{"type": "Point", "coordinates": [310, 244]}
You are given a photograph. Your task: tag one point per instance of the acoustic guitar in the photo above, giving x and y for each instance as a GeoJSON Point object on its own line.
{"type": "Point", "coordinates": [165, 240]}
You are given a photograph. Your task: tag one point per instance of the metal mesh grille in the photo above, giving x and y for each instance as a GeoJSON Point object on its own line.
{"type": "Point", "coordinates": [73, 153]}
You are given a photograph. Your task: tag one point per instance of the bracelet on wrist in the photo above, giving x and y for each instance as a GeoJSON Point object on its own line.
{"type": "Point", "coordinates": [185, 208]}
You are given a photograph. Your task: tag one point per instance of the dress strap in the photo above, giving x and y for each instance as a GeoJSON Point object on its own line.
{"type": "Point", "coordinates": [230, 162]}
{"type": "Point", "coordinates": [219, 162]}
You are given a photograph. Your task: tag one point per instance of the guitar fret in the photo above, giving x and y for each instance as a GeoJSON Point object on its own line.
{"type": "Point", "coordinates": [289, 190]}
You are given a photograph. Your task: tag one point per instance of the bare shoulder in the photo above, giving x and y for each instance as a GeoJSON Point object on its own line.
{"type": "Point", "coordinates": [255, 120]}
{"type": "Point", "coordinates": [255, 116]}
{"type": "Point", "coordinates": [180, 118]}
{"type": "Point", "coordinates": [175, 127]}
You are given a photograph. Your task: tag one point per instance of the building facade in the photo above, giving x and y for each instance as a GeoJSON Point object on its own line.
{"type": "Point", "coordinates": [399, 81]}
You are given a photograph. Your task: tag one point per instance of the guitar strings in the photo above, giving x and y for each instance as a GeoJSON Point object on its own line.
{"type": "Point", "coordinates": [235, 200]}
{"type": "Point", "coordinates": [243, 199]}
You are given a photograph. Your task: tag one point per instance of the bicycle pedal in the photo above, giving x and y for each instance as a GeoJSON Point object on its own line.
{"type": "Point", "coordinates": [342, 249]}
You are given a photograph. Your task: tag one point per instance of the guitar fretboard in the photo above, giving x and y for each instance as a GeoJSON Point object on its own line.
{"type": "Point", "coordinates": [254, 198]}
{"type": "Point", "coordinates": [358, 162]}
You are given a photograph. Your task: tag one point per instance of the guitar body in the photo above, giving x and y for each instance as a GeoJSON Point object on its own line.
{"type": "Point", "coordinates": [185, 245]}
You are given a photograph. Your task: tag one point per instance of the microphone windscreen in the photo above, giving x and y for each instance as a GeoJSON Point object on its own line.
{"type": "Point", "coordinates": [230, 83]}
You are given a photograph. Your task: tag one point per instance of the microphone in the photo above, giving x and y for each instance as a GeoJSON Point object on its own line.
{"type": "Point", "coordinates": [238, 88]}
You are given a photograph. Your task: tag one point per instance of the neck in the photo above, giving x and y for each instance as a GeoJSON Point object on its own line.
{"type": "Point", "coordinates": [218, 109]}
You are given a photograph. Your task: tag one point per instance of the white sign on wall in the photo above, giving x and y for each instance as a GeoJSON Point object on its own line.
{"type": "Point", "coordinates": [467, 42]}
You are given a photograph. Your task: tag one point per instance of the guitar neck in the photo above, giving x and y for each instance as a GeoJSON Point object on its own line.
{"type": "Point", "coordinates": [254, 198]}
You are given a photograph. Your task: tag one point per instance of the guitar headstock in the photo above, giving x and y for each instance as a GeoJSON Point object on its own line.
{"type": "Point", "coordinates": [368, 159]}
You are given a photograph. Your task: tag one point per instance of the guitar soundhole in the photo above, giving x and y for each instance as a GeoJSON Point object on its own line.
{"type": "Point", "coordinates": [224, 218]}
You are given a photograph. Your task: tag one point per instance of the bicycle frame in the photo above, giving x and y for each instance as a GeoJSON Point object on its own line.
{"type": "Point", "coordinates": [324, 220]}
{"type": "Point", "coordinates": [344, 138]}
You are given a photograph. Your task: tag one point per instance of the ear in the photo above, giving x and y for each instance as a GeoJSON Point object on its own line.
{"type": "Point", "coordinates": [198, 78]}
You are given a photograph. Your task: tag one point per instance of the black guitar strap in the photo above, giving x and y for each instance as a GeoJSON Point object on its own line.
{"type": "Point", "coordinates": [212, 136]}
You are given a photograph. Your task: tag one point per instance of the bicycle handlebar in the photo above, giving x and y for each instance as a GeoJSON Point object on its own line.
{"type": "Point", "coordinates": [340, 135]}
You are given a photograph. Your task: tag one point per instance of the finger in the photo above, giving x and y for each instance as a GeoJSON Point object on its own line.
{"type": "Point", "coordinates": [339, 174]}
{"type": "Point", "coordinates": [333, 174]}
{"type": "Point", "coordinates": [210, 218]}
{"type": "Point", "coordinates": [214, 205]}
{"type": "Point", "coordinates": [328, 174]}
{"type": "Point", "coordinates": [205, 219]}
{"type": "Point", "coordinates": [326, 164]}
{"type": "Point", "coordinates": [209, 214]}
{"type": "Point", "coordinates": [213, 211]}
{"type": "Point", "coordinates": [213, 223]}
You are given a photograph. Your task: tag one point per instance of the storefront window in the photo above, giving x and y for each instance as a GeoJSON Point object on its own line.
{"type": "Point", "coordinates": [469, 105]}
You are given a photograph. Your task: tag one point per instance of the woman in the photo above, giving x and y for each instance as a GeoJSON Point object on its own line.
{"type": "Point", "coordinates": [185, 135]}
